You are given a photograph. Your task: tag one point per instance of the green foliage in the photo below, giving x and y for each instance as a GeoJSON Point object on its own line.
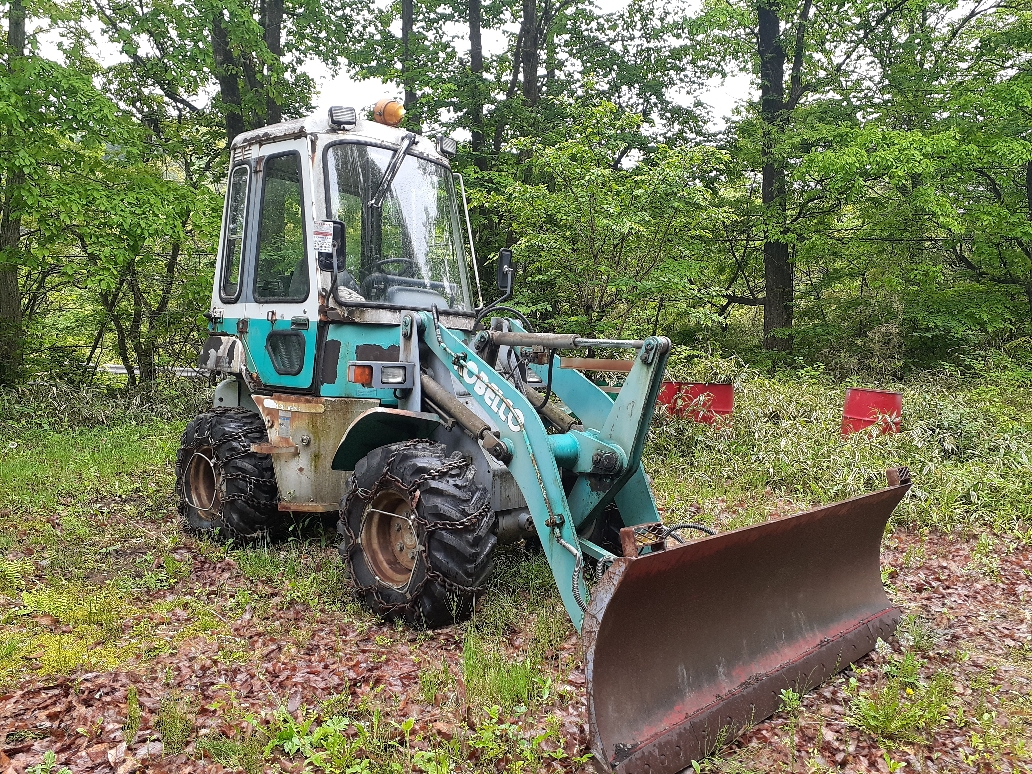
{"type": "Point", "coordinates": [904, 707]}
{"type": "Point", "coordinates": [48, 766]}
{"type": "Point", "coordinates": [493, 677]}
{"type": "Point", "coordinates": [966, 442]}
{"type": "Point", "coordinates": [175, 723]}
{"type": "Point", "coordinates": [133, 715]}
{"type": "Point", "coordinates": [78, 605]}
{"type": "Point", "coordinates": [434, 683]}
{"type": "Point", "coordinates": [600, 240]}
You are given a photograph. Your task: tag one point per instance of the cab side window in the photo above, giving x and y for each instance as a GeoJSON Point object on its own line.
{"type": "Point", "coordinates": [233, 248]}
{"type": "Point", "coordinates": [281, 263]}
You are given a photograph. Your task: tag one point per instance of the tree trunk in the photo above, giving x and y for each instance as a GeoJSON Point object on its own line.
{"type": "Point", "coordinates": [777, 266]}
{"type": "Point", "coordinates": [530, 53]}
{"type": "Point", "coordinates": [227, 71]}
{"type": "Point", "coordinates": [476, 68]}
{"type": "Point", "coordinates": [11, 333]}
{"type": "Point", "coordinates": [408, 13]}
{"type": "Point", "coordinates": [272, 24]}
{"type": "Point", "coordinates": [1028, 207]}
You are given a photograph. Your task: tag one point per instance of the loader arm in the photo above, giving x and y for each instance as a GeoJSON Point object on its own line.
{"type": "Point", "coordinates": [606, 456]}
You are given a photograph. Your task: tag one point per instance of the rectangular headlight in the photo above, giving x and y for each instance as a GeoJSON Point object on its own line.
{"type": "Point", "coordinates": [393, 374]}
{"type": "Point", "coordinates": [382, 375]}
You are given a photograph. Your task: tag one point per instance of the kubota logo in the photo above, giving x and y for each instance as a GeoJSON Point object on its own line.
{"type": "Point", "coordinates": [497, 402]}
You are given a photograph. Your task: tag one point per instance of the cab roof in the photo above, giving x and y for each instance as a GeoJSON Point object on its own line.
{"type": "Point", "coordinates": [318, 125]}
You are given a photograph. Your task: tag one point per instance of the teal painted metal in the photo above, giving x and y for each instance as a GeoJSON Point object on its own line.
{"type": "Point", "coordinates": [379, 427]}
{"type": "Point", "coordinates": [565, 449]}
{"type": "Point", "coordinates": [595, 551]}
{"type": "Point", "coordinates": [622, 423]}
{"type": "Point", "coordinates": [635, 500]}
{"type": "Point", "coordinates": [576, 451]}
{"type": "Point", "coordinates": [351, 336]}
{"type": "Point", "coordinates": [258, 360]}
{"type": "Point", "coordinates": [618, 429]}
{"type": "Point", "coordinates": [533, 465]}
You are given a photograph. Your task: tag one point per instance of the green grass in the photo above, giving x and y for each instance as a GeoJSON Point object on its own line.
{"type": "Point", "coordinates": [95, 573]}
{"type": "Point", "coordinates": [904, 708]}
{"type": "Point", "coordinates": [967, 442]}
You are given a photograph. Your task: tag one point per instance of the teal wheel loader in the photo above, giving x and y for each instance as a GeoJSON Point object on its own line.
{"type": "Point", "coordinates": [359, 378]}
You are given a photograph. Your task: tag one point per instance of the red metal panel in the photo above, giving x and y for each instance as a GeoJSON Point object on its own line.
{"type": "Point", "coordinates": [703, 402]}
{"type": "Point", "coordinates": [864, 408]}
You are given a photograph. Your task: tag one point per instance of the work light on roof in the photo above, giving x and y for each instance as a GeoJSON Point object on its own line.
{"type": "Point", "coordinates": [447, 146]}
{"type": "Point", "coordinates": [343, 117]}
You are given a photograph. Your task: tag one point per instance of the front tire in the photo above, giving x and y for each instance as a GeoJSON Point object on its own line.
{"type": "Point", "coordinates": [418, 533]}
{"type": "Point", "coordinates": [225, 488]}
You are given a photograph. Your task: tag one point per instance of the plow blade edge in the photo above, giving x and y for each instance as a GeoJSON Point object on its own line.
{"type": "Point", "coordinates": [688, 647]}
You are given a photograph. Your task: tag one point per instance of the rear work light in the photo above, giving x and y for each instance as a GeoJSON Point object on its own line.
{"type": "Point", "coordinates": [382, 375]}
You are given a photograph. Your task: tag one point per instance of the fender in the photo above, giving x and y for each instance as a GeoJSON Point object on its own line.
{"type": "Point", "coordinates": [379, 427]}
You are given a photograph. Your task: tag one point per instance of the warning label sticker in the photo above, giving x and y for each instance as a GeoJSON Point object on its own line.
{"type": "Point", "coordinates": [323, 236]}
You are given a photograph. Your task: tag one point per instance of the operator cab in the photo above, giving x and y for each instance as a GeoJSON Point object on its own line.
{"type": "Point", "coordinates": [336, 212]}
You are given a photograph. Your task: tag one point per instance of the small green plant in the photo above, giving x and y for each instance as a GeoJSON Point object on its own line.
{"type": "Point", "coordinates": [985, 557]}
{"type": "Point", "coordinates": [78, 605]}
{"type": "Point", "coordinates": [175, 723]}
{"type": "Point", "coordinates": [13, 573]}
{"type": "Point", "coordinates": [247, 752]}
{"type": "Point", "coordinates": [903, 707]}
{"type": "Point", "coordinates": [916, 633]}
{"type": "Point", "coordinates": [434, 682]}
{"type": "Point", "coordinates": [133, 715]}
{"type": "Point", "coordinates": [892, 765]}
{"type": "Point", "coordinates": [48, 766]}
{"type": "Point", "coordinates": [791, 702]}
{"type": "Point", "coordinates": [906, 670]}
{"type": "Point", "coordinates": [494, 677]}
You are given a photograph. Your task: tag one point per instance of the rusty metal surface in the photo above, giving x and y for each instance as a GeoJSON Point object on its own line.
{"type": "Point", "coordinates": [686, 642]}
{"type": "Point", "coordinates": [303, 436]}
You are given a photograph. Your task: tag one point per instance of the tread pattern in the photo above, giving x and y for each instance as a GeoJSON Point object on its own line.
{"type": "Point", "coordinates": [248, 509]}
{"type": "Point", "coordinates": [454, 529]}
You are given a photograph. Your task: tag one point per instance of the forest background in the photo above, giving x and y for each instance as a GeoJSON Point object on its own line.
{"type": "Point", "coordinates": [863, 217]}
{"type": "Point", "coordinates": [868, 210]}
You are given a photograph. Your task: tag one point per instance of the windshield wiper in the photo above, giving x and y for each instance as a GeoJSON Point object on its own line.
{"type": "Point", "coordinates": [392, 170]}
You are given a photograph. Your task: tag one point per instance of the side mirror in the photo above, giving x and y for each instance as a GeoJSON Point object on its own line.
{"type": "Point", "coordinates": [331, 247]}
{"type": "Point", "coordinates": [340, 247]}
{"type": "Point", "coordinates": [506, 270]}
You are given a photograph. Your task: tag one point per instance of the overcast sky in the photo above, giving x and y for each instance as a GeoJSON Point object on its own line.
{"type": "Point", "coordinates": [722, 96]}
{"type": "Point", "coordinates": [342, 89]}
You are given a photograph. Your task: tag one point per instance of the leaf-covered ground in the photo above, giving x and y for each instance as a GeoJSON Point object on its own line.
{"type": "Point", "coordinates": [231, 653]}
{"type": "Point", "coordinates": [126, 645]}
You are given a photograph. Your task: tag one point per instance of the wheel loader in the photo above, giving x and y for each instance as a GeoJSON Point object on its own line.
{"type": "Point", "coordinates": [358, 377]}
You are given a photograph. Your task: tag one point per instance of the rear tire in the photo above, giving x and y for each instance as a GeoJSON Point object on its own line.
{"type": "Point", "coordinates": [418, 533]}
{"type": "Point", "coordinates": [224, 488]}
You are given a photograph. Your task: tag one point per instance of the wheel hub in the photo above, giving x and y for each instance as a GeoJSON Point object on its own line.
{"type": "Point", "coordinates": [203, 490]}
{"type": "Point", "coordinates": [389, 538]}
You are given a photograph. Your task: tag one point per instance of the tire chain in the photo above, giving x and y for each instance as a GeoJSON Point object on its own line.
{"type": "Point", "coordinates": [367, 495]}
{"type": "Point", "coordinates": [224, 497]}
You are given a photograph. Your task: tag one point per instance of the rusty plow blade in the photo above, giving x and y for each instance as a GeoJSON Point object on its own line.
{"type": "Point", "coordinates": [688, 647]}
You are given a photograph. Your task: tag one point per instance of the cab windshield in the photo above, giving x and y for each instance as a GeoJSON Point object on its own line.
{"type": "Point", "coordinates": [408, 251]}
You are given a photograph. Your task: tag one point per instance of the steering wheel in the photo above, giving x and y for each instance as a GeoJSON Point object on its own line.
{"type": "Point", "coordinates": [379, 265]}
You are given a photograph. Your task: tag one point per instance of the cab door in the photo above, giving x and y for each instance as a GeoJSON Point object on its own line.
{"type": "Point", "coordinates": [281, 281]}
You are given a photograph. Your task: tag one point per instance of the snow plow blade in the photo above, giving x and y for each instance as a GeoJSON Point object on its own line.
{"type": "Point", "coordinates": [688, 647]}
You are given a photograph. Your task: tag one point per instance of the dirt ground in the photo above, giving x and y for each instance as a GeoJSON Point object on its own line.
{"type": "Point", "coordinates": [968, 617]}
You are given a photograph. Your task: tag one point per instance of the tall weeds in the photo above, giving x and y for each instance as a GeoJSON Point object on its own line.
{"type": "Point", "coordinates": [967, 442]}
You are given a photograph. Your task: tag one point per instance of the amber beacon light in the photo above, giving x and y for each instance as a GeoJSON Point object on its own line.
{"type": "Point", "coordinates": [388, 111]}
